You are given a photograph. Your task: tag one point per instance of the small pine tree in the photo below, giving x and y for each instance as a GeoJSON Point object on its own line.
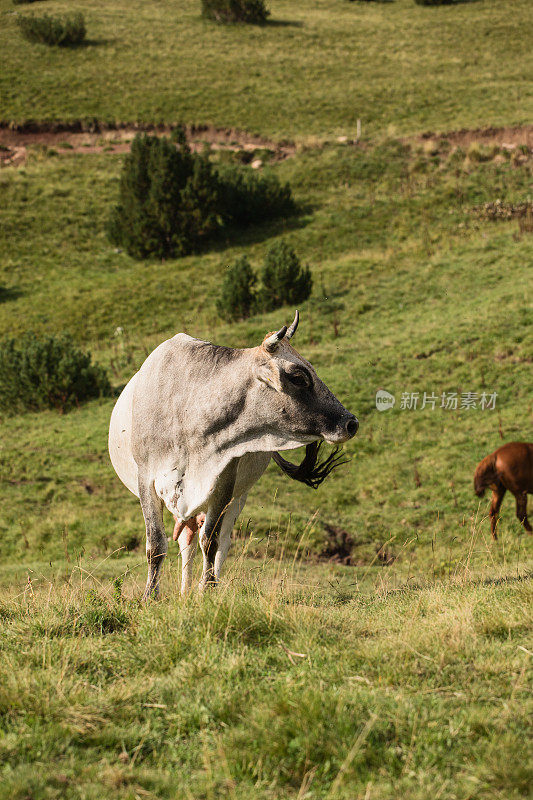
{"type": "Point", "coordinates": [63, 31]}
{"type": "Point", "coordinates": [250, 11]}
{"type": "Point", "coordinates": [237, 295]}
{"type": "Point", "coordinates": [285, 281]}
{"type": "Point", "coordinates": [248, 198]}
{"type": "Point", "coordinates": [47, 372]}
{"type": "Point", "coordinates": [169, 199]}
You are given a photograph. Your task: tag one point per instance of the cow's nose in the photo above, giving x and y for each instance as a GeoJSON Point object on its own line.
{"type": "Point", "coordinates": [351, 426]}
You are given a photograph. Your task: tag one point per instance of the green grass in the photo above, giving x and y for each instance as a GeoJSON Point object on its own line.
{"type": "Point", "coordinates": [414, 673]}
{"type": "Point", "coordinates": [312, 71]}
{"type": "Point", "coordinates": [286, 683]}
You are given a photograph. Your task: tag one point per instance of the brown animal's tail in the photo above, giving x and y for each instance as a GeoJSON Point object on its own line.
{"type": "Point", "coordinates": [311, 471]}
{"type": "Point", "coordinates": [485, 474]}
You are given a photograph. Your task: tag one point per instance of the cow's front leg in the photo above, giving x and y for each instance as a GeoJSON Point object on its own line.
{"type": "Point", "coordinates": [219, 504]}
{"type": "Point", "coordinates": [156, 541]}
{"type": "Point", "coordinates": [234, 509]}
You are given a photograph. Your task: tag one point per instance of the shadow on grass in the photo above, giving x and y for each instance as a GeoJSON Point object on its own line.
{"type": "Point", "coordinates": [232, 236]}
{"type": "Point", "coordinates": [431, 3]}
{"type": "Point", "coordinates": [240, 237]}
{"type": "Point", "coordinates": [91, 43]}
{"type": "Point", "coordinates": [73, 45]}
{"type": "Point", "coordinates": [283, 23]}
{"type": "Point", "coordinates": [7, 294]}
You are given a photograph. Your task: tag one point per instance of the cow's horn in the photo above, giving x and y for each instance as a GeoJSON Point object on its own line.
{"type": "Point", "coordinates": [271, 342]}
{"type": "Point", "coordinates": [292, 329]}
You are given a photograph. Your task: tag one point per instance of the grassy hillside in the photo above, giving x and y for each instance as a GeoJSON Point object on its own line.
{"type": "Point", "coordinates": [412, 293]}
{"type": "Point", "coordinates": [314, 70]}
{"type": "Point", "coordinates": [406, 673]}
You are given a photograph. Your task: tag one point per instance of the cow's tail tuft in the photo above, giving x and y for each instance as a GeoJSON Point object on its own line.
{"type": "Point", "coordinates": [311, 471]}
{"type": "Point", "coordinates": [485, 474]}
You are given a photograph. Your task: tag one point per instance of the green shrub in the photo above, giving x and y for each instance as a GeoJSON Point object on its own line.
{"type": "Point", "coordinates": [47, 373]}
{"type": "Point", "coordinates": [168, 199]}
{"type": "Point", "coordinates": [285, 281]}
{"type": "Point", "coordinates": [251, 11]}
{"type": "Point", "coordinates": [237, 296]}
{"type": "Point", "coordinates": [66, 31]}
{"type": "Point", "coordinates": [247, 197]}
{"type": "Point", "coordinates": [171, 199]}
{"type": "Point", "coordinates": [20, 2]}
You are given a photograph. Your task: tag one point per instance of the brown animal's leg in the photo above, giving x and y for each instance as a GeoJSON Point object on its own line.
{"type": "Point", "coordinates": [521, 510]}
{"type": "Point", "coordinates": [497, 497]}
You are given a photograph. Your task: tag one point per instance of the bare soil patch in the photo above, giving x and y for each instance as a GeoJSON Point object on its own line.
{"type": "Point", "coordinates": [511, 136]}
{"type": "Point", "coordinates": [91, 137]}
{"type": "Point", "coordinates": [16, 142]}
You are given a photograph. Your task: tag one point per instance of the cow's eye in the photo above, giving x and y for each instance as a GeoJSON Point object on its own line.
{"type": "Point", "coordinates": [298, 378]}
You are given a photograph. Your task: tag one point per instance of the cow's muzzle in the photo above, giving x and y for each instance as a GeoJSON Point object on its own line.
{"type": "Point", "coordinates": [346, 429]}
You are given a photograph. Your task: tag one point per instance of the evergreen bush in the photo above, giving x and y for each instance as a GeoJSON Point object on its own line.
{"type": "Point", "coordinates": [237, 295]}
{"type": "Point", "coordinates": [49, 372]}
{"type": "Point", "coordinates": [285, 281]}
{"type": "Point", "coordinates": [66, 31]}
{"type": "Point", "coordinates": [227, 11]}
{"type": "Point", "coordinates": [168, 201]}
{"type": "Point", "coordinates": [171, 199]}
{"type": "Point", "coordinates": [247, 197]}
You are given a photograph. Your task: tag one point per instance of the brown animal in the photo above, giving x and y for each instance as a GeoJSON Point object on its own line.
{"type": "Point", "coordinates": [509, 468]}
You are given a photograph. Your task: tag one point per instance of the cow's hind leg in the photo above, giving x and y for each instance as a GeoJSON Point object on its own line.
{"type": "Point", "coordinates": [156, 541]}
{"type": "Point", "coordinates": [521, 510]}
{"type": "Point", "coordinates": [494, 511]}
{"type": "Point", "coordinates": [219, 504]}
{"type": "Point", "coordinates": [234, 509]}
{"type": "Point", "coordinates": [209, 539]}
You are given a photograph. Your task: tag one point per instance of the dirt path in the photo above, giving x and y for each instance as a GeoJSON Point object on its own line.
{"type": "Point", "coordinates": [15, 143]}
{"type": "Point", "coordinates": [508, 137]}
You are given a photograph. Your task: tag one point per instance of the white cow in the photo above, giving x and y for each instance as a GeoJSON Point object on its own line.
{"type": "Point", "coordinates": [196, 427]}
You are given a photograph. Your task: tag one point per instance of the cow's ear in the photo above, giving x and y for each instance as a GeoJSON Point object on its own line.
{"type": "Point", "coordinates": [269, 373]}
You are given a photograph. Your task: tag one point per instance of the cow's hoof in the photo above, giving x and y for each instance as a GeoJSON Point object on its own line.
{"type": "Point", "coordinates": [150, 594]}
{"type": "Point", "coordinates": [208, 583]}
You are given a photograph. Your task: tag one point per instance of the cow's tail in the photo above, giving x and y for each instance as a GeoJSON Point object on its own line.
{"type": "Point", "coordinates": [485, 474]}
{"type": "Point", "coordinates": [311, 471]}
